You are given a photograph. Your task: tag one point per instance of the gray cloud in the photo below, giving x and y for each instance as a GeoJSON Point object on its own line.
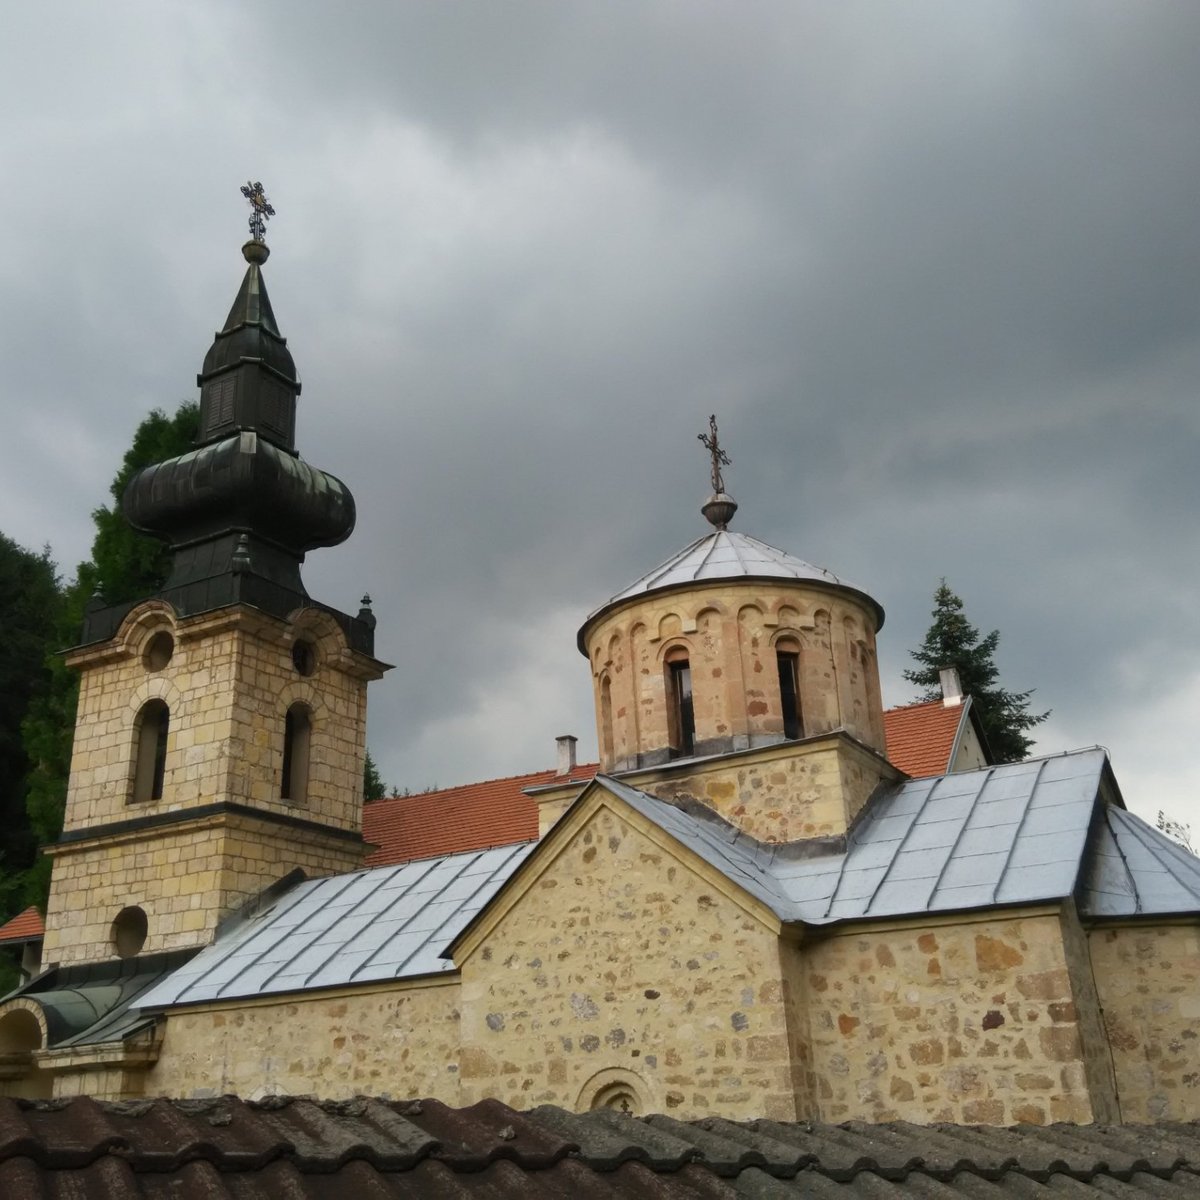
{"type": "Point", "coordinates": [934, 266]}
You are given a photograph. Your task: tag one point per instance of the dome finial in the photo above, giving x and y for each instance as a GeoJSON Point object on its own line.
{"type": "Point", "coordinates": [255, 250]}
{"type": "Point", "coordinates": [719, 508]}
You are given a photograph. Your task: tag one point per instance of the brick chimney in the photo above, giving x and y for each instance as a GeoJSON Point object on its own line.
{"type": "Point", "coordinates": [566, 753]}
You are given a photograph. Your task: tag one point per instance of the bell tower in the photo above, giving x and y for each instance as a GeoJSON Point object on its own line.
{"type": "Point", "coordinates": [221, 727]}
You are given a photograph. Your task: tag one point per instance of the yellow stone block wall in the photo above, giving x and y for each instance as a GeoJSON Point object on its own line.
{"type": "Point", "coordinates": [227, 686]}
{"type": "Point", "coordinates": [618, 964]}
{"type": "Point", "coordinates": [963, 1020]}
{"type": "Point", "coordinates": [782, 793]}
{"type": "Point", "coordinates": [730, 631]}
{"type": "Point", "coordinates": [185, 877]}
{"type": "Point", "coordinates": [399, 1042]}
{"type": "Point", "coordinates": [1148, 977]}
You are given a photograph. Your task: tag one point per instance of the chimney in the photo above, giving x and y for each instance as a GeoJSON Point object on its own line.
{"type": "Point", "coordinates": [566, 753]}
{"type": "Point", "coordinates": [952, 693]}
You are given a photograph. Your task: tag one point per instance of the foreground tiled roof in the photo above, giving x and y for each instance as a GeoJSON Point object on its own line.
{"type": "Point", "coordinates": [452, 820]}
{"type": "Point", "coordinates": [365, 927]}
{"type": "Point", "coordinates": [302, 1150]}
{"type": "Point", "coordinates": [24, 927]}
{"type": "Point", "coordinates": [920, 737]}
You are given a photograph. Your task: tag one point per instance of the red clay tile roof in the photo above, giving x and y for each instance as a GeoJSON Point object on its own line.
{"type": "Point", "coordinates": [229, 1149]}
{"type": "Point", "coordinates": [453, 820]}
{"type": "Point", "coordinates": [921, 736]}
{"type": "Point", "coordinates": [24, 927]}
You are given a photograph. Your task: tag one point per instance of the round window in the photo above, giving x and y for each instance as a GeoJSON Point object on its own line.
{"type": "Point", "coordinates": [129, 931]}
{"type": "Point", "coordinates": [158, 651]}
{"type": "Point", "coordinates": [304, 657]}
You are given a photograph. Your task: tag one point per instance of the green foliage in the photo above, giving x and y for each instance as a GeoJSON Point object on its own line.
{"type": "Point", "coordinates": [30, 600]}
{"type": "Point", "coordinates": [125, 566]}
{"type": "Point", "coordinates": [373, 786]}
{"type": "Point", "coordinates": [952, 641]}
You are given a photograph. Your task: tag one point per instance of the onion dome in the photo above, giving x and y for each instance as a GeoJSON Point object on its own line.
{"type": "Point", "coordinates": [241, 510]}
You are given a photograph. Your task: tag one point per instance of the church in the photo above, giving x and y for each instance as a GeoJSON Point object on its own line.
{"type": "Point", "coordinates": [750, 910]}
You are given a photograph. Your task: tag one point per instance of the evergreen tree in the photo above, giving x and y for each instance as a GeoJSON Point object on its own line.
{"type": "Point", "coordinates": [373, 786]}
{"type": "Point", "coordinates": [952, 641]}
{"type": "Point", "coordinates": [30, 599]}
{"type": "Point", "coordinates": [125, 565]}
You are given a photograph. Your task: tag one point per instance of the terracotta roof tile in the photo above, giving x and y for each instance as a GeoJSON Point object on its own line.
{"type": "Point", "coordinates": [453, 820]}
{"type": "Point", "coordinates": [226, 1148]}
{"type": "Point", "coordinates": [24, 927]}
{"type": "Point", "coordinates": [921, 736]}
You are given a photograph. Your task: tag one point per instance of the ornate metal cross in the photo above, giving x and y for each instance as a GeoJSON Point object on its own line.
{"type": "Point", "coordinates": [262, 210]}
{"type": "Point", "coordinates": [719, 457]}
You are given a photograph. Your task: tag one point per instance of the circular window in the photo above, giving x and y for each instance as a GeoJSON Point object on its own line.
{"type": "Point", "coordinates": [304, 657]}
{"type": "Point", "coordinates": [129, 931]}
{"type": "Point", "coordinates": [159, 650]}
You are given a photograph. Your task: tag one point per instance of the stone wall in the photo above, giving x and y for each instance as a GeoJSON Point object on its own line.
{"type": "Point", "coordinates": [618, 970]}
{"type": "Point", "coordinates": [227, 685]}
{"type": "Point", "coordinates": [965, 1020]}
{"type": "Point", "coordinates": [730, 632]}
{"type": "Point", "coordinates": [398, 1041]}
{"type": "Point", "coordinates": [1148, 977]}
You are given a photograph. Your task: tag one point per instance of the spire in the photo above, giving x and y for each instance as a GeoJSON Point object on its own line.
{"type": "Point", "coordinates": [248, 380]}
{"type": "Point", "coordinates": [719, 508]}
{"type": "Point", "coordinates": [241, 510]}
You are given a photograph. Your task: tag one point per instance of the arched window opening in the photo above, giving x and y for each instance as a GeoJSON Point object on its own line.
{"type": "Point", "coordinates": [153, 724]}
{"type": "Point", "coordinates": [681, 719]}
{"type": "Point", "coordinates": [159, 651]}
{"type": "Point", "coordinates": [128, 933]}
{"type": "Point", "coordinates": [619, 1097]}
{"type": "Point", "coordinates": [787, 656]}
{"type": "Point", "coordinates": [606, 721]}
{"type": "Point", "coordinates": [297, 740]}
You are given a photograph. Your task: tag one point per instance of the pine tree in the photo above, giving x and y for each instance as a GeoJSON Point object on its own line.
{"type": "Point", "coordinates": [125, 565]}
{"type": "Point", "coordinates": [373, 786]}
{"type": "Point", "coordinates": [952, 641]}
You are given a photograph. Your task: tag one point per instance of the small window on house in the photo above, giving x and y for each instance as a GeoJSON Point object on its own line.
{"type": "Point", "coordinates": [788, 659]}
{"type": "Point", "coordinates": [297, 738]}
{"type": "Point", "coordinates": [153, 724]}
{"type": "Point", "coordinates": [159, 650]}
{"type": "Point", "coordinates": [681, 720]}
{"type": "Point", "coordinates": [128, 932]}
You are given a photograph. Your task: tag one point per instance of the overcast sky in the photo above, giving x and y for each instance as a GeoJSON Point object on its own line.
{"type": "Point", "coordinates": [936, 267]}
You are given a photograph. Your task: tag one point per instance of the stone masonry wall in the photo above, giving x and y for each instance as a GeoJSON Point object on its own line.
{"type": "Point", "coordinates": [1148, 977]}
{"type": "Point", "coordinates": [784, 793]}
{"type": "Point", "coordinates": [619, 965]}
{"type": "Point", "coordinates": [399, 1042]}
{"type": "Point", "coordinates": [185, 877]}
{"type": "Point", "coordinates": [730, 632]}
{"type": "Point", "coordinates": [971, 1022]}
{"type": "Point", "coordinates": [228, 685]}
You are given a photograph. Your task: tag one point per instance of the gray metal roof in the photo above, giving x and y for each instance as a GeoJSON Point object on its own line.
{"type": "Point", "coordinates": [386, 923]}
{"type": "Point", "coordinates": [724, 555]}
{"type": "Point", "coordinates": [1011, 834]}
{"type": "Point", "coordinates": [1134, 869]}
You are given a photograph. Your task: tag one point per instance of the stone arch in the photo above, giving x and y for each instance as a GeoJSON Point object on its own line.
{"type": "Point", "coordinates": [146, 772]}
{"type": "Point", "coordinates": [670, 624]}
{"type": "Point", "coordinates": [142, 622]}
{"type": "Point", "coordinates": [320, 628]}
{"type": "Point", "coordinates": [614, 650]}
{"type": "Point", "coordinates": [619, 1089]}
{"type": "Point", "coordinates": [607, 740]}
{"type": "Point", "coordinates": [23, 1032]}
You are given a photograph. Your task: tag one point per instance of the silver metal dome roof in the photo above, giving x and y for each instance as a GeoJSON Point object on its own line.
{"type": "Point", "coordinates": [723, 555]}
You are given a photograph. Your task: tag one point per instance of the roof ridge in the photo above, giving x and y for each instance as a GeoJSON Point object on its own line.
{"type": "Point", "coordinates": [458, 787]}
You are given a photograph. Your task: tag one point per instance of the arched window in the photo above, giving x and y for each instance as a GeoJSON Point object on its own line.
{"type": "Point", "coordinates": [153, 723]}
{"type": "Point", "coordinates": [681, 719]}
{"type": "Point", "coordinates": [297, 740]}
{"type": "Point", "coordinates": [787, 656]}
{"type": "Point", "coordinates": [606, 722]}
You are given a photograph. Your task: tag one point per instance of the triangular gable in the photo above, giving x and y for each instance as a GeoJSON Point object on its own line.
{"type": "Point", "coordinates": [668, 828]}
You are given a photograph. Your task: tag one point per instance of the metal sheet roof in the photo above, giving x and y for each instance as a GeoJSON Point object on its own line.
{"type": "Point", "coordinates": [1136, 870]}
{"type": "Point", "coordinates": [385, 923]}
{"type": "Point", "coordinates": [1011, 834]}
{"type": "Point", "coordinates": [724, 555]}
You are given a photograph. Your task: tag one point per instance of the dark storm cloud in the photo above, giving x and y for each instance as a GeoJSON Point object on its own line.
{"type": "Point", "coordinates": [935, 265]}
